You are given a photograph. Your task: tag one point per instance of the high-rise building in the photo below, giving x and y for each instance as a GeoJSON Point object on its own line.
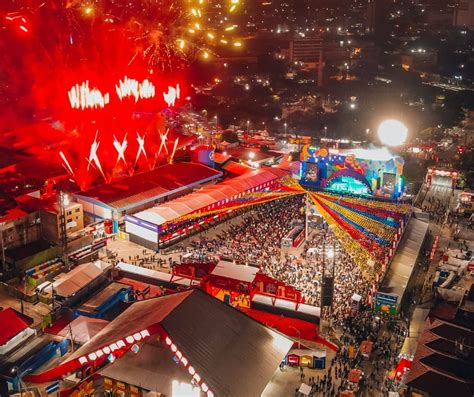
{"type": "Point", "coordinates": [308, 50]}
{"type": "Point", "coordinates": [464, 14]}
{"type": "Point", "coordinates": [377, 19]}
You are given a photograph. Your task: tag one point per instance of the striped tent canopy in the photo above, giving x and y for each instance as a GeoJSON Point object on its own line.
{"type": "Point", "coordinates": [365, 227]}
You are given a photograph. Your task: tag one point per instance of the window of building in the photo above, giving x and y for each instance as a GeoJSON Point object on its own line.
{"type": "Point", "coordinates": [77, 209]}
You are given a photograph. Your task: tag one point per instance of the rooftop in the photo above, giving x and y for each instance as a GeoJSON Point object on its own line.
{"type": "Point", "coordinates": [148, 186]}
{"type": "Point", "coordinates": [12, 323]}
{"type": "Point", "coordinates": [440, 363]}
{"type": "Point", "coordinates": [236, 272]}
{"type": "Point", "coordinates": [222, 344]}
{"type": "Point", "coordinates": [207, 196]}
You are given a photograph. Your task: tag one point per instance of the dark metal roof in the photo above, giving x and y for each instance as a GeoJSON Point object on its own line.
{"type": "Point", "coordinates": [223, 344]}
{"type": "Point", "coordinates": [235, 355]}
{"type": "Point", "coordinates": [439, 385]}
{"type": "Point", "coordinates": [148, 186]}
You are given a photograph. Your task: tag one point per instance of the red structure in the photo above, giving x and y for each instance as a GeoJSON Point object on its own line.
{"type": "Point", "coordinates": [439, 172]}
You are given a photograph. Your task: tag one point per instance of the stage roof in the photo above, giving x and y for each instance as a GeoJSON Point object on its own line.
{"type": "Point", "coordinates": [185, 205]}
{"type": "Point", "coordinates": [151, 185]}
{"type": "Point", "coordinates": [235, 272]}
{"type": "Point", "coordinates": [221, 343]}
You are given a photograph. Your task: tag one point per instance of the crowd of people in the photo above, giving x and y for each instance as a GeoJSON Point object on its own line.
{"type": "Point", "coordinates": [255, 237]}
{"type": "Point", "coordinates": [257, 240]}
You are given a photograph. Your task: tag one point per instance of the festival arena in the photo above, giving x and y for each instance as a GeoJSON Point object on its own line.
{"type": "Point", "coordinates": [292, 259]}
{"type": "Point", "coordinates": [294, 237]}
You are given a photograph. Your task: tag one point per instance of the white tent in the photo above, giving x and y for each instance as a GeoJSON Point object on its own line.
{"type": "Point", "coordinates": [67, 284]}
{"type": "Point", "coordinates": [305, 389]}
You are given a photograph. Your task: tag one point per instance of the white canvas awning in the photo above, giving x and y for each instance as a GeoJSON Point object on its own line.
{"type": "Point", "coordinates": [305, 389]}
{"type": "Point", "coordinates": [67, 284]}
{"type": "Point", "coordinates": [236, 272]}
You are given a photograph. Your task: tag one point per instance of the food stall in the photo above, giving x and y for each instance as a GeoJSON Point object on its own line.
{"type": "Point", "coordinates": [353, 379]}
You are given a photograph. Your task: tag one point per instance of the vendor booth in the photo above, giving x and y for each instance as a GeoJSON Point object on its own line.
{"type": "Point", "coordinates": [306, 358]}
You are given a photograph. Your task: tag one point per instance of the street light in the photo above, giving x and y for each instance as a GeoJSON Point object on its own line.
{"type": "Point", "coordinates": [4, 266]}
{"type": "Point", "coordinates": [330, 253]}
{"type": "Point", "coordinates": [251, 155]}
{"type": "Point", "coordinates": [248, 126]}
{"type": "Point", "coordinates": [285, 125]}
{"type": "Point", "coordinates": [63, 203]}
{"type": "Point", "coordinates": [392, 132]}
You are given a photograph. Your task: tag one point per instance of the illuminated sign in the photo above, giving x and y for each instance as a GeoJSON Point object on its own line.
{"type": "Point", "coordinates": [107, 350]}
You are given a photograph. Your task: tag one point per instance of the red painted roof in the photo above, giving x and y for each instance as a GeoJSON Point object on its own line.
{"type": "Point", "coordinates": [237, 168]}
{"type": "Point", "coordinates": [14, 213]}
{"type": "Point", "coordinates": [12, 324]}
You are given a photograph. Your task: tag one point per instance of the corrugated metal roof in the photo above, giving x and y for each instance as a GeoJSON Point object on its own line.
{"type": "Point", "coordinates": [67, 284]}
{"type": "Point", "coordinates": [210, 195]}
{"type": "Point", "coordinates": [235, 355]}
{"type": "Point", "coordinates": [148, 186]}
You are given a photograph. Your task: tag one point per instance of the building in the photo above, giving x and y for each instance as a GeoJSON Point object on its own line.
{"type": "Point", "coordinates": [51, 220]}
{"type": "Point", "coordinates": [420, 60]}
{"type": "Point", "coordinates": [393, 294]}
{"type": "Point", "coordinates": [81, 282]}
{"type": "Point", "coordinates": [164, 224]}
{"type": "Point", "coordinates": [464, 14]}
{"type": "Point", "coordinates": [22, 350]}
{"type": "Point", "coordinates": [181, 341]}
{"type": "Point", "coordinates": [19, 227]}
{"type": "Point", "coordinates": [309, 51]}
{"type": "Point", "coordinates": [144, 190]}
{"type": "Point", "coordinates": [377, 19]}
{"type": "Point", "coordinates": [49, 211]}
{"type": "Point", "coordinates": [444, 356]}
{"type": "Point", "coordinates": [439, 19]}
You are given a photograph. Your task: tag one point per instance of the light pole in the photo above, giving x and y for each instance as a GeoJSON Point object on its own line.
{"type": "Point", "coordinates": [285, 125]}
{"type": "Point", "coordinates": [63, 202]}
{"type": "Point", "coordinates": [4, 266]}
{"type": "Point", "coordinates": [14, 371]}
{"type": "Point", "coordinates": [248, 126]}
{"type": "Point", "coordinates": [306, 226]}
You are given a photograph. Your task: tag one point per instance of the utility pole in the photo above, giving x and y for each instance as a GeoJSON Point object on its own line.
{"type": "Point", "coordinates": [63, 202]}
{"type": "Point", "coordinates": [327, 285]}
{"type": "Point", "coordinates": [4, 265]}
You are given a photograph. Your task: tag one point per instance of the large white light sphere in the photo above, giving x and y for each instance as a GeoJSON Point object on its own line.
{"type": "Point", "coordinates": [392, 132]}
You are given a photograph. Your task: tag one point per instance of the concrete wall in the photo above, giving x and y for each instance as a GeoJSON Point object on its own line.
{"type": "Point", "coordinates": [51, 225]}
{"type": "Point", "coordinates": [21, 231]}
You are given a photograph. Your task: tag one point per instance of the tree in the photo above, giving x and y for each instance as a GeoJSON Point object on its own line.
{"type": "Point", "coordinates": [230, 136]}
